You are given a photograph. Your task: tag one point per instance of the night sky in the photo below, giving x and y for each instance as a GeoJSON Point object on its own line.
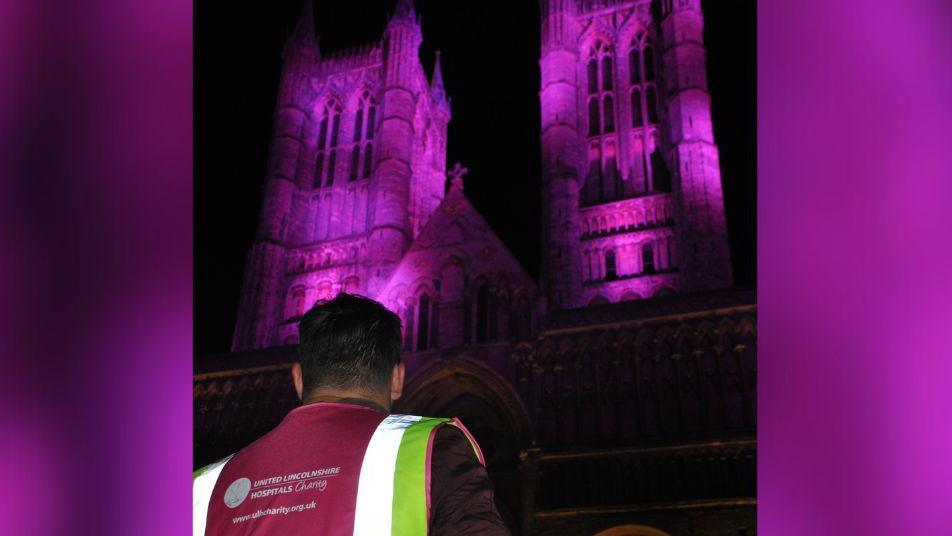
{"type": "Point", "coordinates": [490, 67]}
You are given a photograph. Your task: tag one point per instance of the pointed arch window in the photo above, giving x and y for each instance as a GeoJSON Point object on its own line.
{"type": "Point", "coordinates": [326, 157]}
{"type": "Point", "coordinates": [634, 65]}
{"type": "Point", "coordinates": [594, 125]}
{"type": "Point", "coordinates": [637, 115]}
{"type": "Point", "coordinates": [368, 159]}
{"type": "Point", "coordinates": [607, 78]}
{"type": "Point", "coordinates": [601, 82]}
{"type": "Point", "coordinates": [608, 109]}
{"type": "Point", "coordinates": [592, 76]}
{"type": "Point", "coordinates": [649, 64]}
{"type": "Point", "coordinates": [361, 151]}
{"type": "Point", "coordinates": [371, 117]}
{"type": "Point", "coordinates": [642, 70]}
{"type": "Point", "coordinates": [358, 124]}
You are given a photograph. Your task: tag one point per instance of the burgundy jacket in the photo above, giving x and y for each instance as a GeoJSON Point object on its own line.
{"type": "Point", "coordinates": [461, 493]}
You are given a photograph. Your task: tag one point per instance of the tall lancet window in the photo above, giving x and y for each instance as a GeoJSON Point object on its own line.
{"type": "Point", "coordinates": [637, 120]}
{"type": "Point", "coordinates": [601, 83]}
{"type": "Point", "coordinates": [594, 125]}
{"type": "Point", "coordinates": [361, 163]}
{"type": "Point", "coordinates": [607, 77]}
{"type": "Point", "coordinates": [644, 106]}
{"type": "Point", "coordinates": [649, 63]}
{"type": "Point", "coordinates": [609, 110]}
{"type": "Point", "coordinates": [326, 157]}
{"type": "Point", "coordinates": [644, 102]}
{"type": "Point", "coordinates": [592, 76]}
{"type": "Point", "coordinates": [634, 64]}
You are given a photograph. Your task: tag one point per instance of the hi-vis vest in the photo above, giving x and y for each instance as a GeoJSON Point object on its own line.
{"type": "Point", "coordinates": [328, 468]}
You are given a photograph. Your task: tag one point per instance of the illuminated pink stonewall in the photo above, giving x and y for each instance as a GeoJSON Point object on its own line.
{"type": "Point", "coordinates": [356, 196]}
{"type": "Point", "coordinates": [631, 179]}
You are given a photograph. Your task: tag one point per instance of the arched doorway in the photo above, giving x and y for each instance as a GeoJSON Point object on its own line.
{"type": "Point", "coordinates": [490, 409]}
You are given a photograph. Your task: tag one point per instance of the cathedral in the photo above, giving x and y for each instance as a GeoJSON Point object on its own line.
{"type": "Point", "coordinates": [615, 396]}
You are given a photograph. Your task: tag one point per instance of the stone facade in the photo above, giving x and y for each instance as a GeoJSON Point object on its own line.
{"type": "Point", "coordinates": [617, 397]}
{"type": "Point", "coordinates": [358, 165]}
{"type": "Point", "coordinates": [631, 179]}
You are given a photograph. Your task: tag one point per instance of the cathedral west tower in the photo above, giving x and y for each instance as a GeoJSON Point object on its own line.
{"type": "Point", "coordinates": [632, 197]}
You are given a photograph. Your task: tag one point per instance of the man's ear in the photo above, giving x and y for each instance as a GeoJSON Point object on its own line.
{"type": "Point", "coordinates": [298, 378]}
{"type": "Point", "coordinates": [396, 381]}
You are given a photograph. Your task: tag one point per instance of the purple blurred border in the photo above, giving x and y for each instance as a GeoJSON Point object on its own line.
{"type": "Point", "coordinates": [96, 238]}
{"type": "Point", "coordinates": [854, 269]}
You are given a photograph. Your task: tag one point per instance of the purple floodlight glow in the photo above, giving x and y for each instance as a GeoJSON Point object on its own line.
{"type": "Point", "coordinates": [632, 196]}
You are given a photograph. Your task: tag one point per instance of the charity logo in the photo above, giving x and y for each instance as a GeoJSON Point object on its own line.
{"type": "Point", "coordinates": [236, 492]}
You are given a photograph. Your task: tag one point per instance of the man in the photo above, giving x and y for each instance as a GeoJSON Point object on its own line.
{"type": "Point", "coordinates": [339, 464]}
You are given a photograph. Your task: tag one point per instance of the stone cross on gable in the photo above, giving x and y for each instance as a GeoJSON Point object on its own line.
{"type": "Point", "coordinates": [456, 176]}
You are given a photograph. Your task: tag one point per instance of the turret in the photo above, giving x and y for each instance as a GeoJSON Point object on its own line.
{"type": "Point", "coordinates": [303, 42]}
{"type": "Point", "coordinates": [390, 229]}
{"type": "Point", "coordinates": [704, 256]}
{"type": "Point", "coordinates": [437, 91]}
{"type": "Point", "coordinates": [561, 271]}
{"type": "Point", "coordinates": [262, 290]}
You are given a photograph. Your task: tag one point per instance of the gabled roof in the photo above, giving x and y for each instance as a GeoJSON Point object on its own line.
{"type": "Point", "coordinates": [456, 229]}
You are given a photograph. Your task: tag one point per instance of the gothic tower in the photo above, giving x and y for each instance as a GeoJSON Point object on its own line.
{"type": "Point", "coordinates": [699, 197]}
{"type": "Point", "coordinates": [560, 153]}
{"type": "Point", "coordinates": [390, 231]}
{"type": "Point", "coordinates": [357, 167]}
{"type": "Point", "coordinates": [267, 261]}
{"type": "Point", "coordinates": [632, 198]}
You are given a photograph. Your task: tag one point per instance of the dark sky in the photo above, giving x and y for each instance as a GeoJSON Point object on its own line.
{"type": "Point", "coordinates": [490, 66]}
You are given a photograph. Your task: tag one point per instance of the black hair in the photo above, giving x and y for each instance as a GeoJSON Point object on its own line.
{"type": "Point", "coordinates": [350, 342]}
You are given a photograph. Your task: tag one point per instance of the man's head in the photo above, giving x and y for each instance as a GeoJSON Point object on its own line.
{"type": "Point", "coordinates": [350, 347]}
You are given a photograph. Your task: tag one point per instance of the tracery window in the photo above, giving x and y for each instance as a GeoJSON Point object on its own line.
{"type": "Point", "coordinates": [645, 110]}
{"type": "Point", "coordinates": [601, 83]}
{"type": "Point", "coordinates": [592, 76]}
{"type": "Point", "coordinates": [363, 133]}
{"type": "Point", "coordinates": [644, 102]}
{"type": "Point", "coordinates": [327, 137]}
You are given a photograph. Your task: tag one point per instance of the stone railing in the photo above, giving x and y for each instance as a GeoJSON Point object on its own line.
{"type": "Point", "coordinates": [628, 215]}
